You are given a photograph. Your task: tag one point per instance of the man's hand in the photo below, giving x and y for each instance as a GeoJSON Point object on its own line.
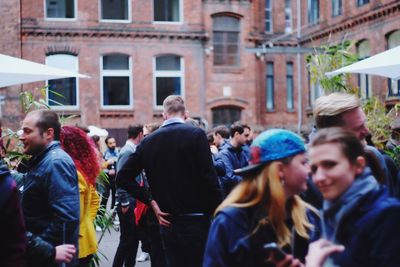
{"type": "Point", "coordinates": [161, 216]}
{"type": "Point", "coordinates": [65, 253]}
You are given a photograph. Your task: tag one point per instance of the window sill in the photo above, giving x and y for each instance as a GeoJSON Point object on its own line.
{"type": "Point", "coordinates": [228, 69]}
{"type": "Point", "coordinates": [117, 114]}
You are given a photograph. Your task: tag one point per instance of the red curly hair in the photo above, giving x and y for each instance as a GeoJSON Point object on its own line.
{"type": "Point", "coordinates": [82, 150]}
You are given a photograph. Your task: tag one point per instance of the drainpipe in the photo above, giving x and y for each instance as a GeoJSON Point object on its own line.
{"type": "Point", "coordinates": [299, 89]}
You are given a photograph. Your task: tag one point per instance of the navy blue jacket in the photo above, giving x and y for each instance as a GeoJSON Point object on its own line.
{"type": "Point", "coordinates": [232, 242]}
{"type": "Point", "coordinates": [50, 202]}
{"type": "Point", "coordinates": [371, 233]}
{"type": "Point", "coordinates": [233, 158]}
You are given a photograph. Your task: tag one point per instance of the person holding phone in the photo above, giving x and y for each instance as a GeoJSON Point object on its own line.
{"type": "Point", "coordinates": [265, 206]}
{"type": "Point", "coordinates": [357, 212]}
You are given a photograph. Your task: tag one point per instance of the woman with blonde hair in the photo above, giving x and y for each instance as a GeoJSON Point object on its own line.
{"type": "Point", "coordinates": [264, 207]}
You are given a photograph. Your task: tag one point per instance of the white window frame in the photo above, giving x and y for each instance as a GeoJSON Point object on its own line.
{"type": "Point", "coordinates": [116, 73]}
{"type": "Point", "coordinates": [75, 69]}
{"type": "Point", "coordinates": [310, 12]}
{"type": "Point", "coordinates": [169, 22]}
{"type": "Point", "coordinates": [288, 22]}
{"type": "Point", "coordinates": [61, 19]}
{"type": "Point", "coordinates": [394, 84]}
{"type": "Point", "coordinates": [268, 9]}
{"type": "Point", "coordinates": [129, 20]}
{"type": "Point", "coordinates": [364, 80]}
{"type": "Point", "coordinates": [340, 8]}
{"type": "Point", "coordinates": [167, 73]}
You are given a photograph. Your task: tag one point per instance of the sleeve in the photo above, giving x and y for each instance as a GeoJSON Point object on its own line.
{"type": "Point", "coordinates": [63, 197]}
{"type": "Point", "coordinates": [230, 179]}
{"type": "Point", "coordinates": [126, 177]}
{"type": "Point", "coordinates": [216, 252]}
{"type": "Point", "coordinates": [384, 239]}
{"type": "Point", "coordinates": [210, 180]}
{"type": "Point", "coordinates": [94, 203]}
{"type": "Point", "coordinates": [40, 249]}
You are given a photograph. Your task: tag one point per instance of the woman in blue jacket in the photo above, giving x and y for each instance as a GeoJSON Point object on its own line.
{"type": "Point", "coordinates": [357, 212]}
{"type": "Point", "coordinates": [264, 207]}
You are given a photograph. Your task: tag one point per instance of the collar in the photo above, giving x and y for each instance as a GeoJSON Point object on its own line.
{"type": "Point", "coordinates": [172, 120]}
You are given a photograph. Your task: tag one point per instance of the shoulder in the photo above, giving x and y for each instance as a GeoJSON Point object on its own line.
{"type": "Point", "coordinates": [233, 215]}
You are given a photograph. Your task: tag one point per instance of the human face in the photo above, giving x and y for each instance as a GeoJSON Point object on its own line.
{"type": "Point", "coordinates": [33, 141]}
{"type": "Point", "coordinates": [295, 175]}
{"type": "Point", "coordinates": [248, 136]}
{"type": "Point", "coordinates": [218, 139]}
{"type": "Point", "coordinates": [331, 171]}
{"type": "Point", "coordinates": [354, 121]}
{"type": "Point", "coordinates": [111, 143]}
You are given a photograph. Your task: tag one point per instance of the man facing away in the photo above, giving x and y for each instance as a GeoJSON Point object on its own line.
{"type": "Point", "coordinates": [50, 197]}
{"type": "Point", "coordinates": [183, 183]}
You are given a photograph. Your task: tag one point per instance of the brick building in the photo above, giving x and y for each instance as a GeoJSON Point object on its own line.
{"type": "Point", "coordinates": [138, 51]}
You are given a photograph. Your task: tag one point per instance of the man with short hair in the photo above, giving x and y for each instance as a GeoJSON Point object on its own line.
{"type": "Point", "coordinates": [50, 197]}
{"type": "Point", "coordinates": [128, 242]}
{"type": "Point", "coordinates": [110, 156]}
{"type": "Point", "coordinates": [182, 179]}
{"type": "Point", "coordinates": [221, 136]}
{"type": "Point", "coordinates": [234, 157]}
{"type": "Point", "coordinates": [344, 110]}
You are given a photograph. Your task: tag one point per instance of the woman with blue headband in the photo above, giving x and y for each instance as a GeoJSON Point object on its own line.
{"type": "Point", "coordinates": [265, 206]}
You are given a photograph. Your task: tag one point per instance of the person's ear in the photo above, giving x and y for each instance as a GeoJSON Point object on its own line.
{"type": "Point", "coordinates": [49, 134]}
{"type": "Point", "coordinates": [280, 167]}
{"type": "Point", "coordinates": [164, 116]}
{"type": "Point", "coordinates": [360, 164]}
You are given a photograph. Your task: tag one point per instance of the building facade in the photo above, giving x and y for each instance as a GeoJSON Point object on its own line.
{"type": "Point", "coordinates": [230, 59]}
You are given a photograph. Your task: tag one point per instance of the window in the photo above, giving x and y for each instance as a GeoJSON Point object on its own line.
{"type": "Point", "coordinates": [168, 77]}
{"type": "Point", "coordinates": [313, 11]}
{"type": "Point", "coordinates": [288, 16]}
{"type": "Point", "coordinates": [289, 87]}
{"type": "Point", "coordinates": [62, 91]}
{"type": "Point", "coordinates": [167, 10]}
{"type": "Point", "coordinates": [226, 115]}
{"type": "Point", "coordinates": [226, 41]}
{"type": "Point", "coordinates": [364, 80]}
{"type": "Point", "coordinates": [60, 9]}
{"type": "Point", "coordinates": [393, 40]}
{"type": "Point", "coordinates": [269, 83]}
{"type": "Point", "coordinates": [336, 8]}
{"type": "Point", "coordinates": [362, 2]}
{"type": "Point", "coordinates": [268, 15]}
{"type": "Point", "coordinates": [115, 10]}
{"type": "Point", "coordinates": [116, 81]}
{"type": "Point", "coordinates": [315, 91]}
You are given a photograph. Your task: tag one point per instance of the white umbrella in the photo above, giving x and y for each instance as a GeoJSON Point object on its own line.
{"type": "Point", "coordinates": [385, 64]}
{"type": "Point", "coordinates": [16, 71]}
{"type": "Point", "coordinates": [94, 130]}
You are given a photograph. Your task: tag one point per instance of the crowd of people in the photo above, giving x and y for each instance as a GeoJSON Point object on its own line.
{"type": "Point", "coordinates": [233, 196]}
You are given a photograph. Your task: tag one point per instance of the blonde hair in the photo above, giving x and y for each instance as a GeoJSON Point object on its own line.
{"type": "Point", "coordinates": [329, 109]}
{"type": "Point", "coordinates": [266, 189]}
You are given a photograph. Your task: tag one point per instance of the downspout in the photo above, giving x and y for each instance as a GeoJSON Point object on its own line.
{"type": "Point", "coordinates": [299, 87]}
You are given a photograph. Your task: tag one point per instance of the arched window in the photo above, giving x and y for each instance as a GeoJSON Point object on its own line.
{"type": "Point", "coordinates": [168, 77]}
{"type": "Point", "coordinates": [62, 92]}
{"type": "Point", "coordinates": [364, 80]}
{"type": "Point", "coordinates": [393, 40]}
{"type": "Point", "coordinates": [116, 80]}
{"type": "Point", "coordinates": [226, 31]}
{"type": "Point", "coordinates": [226, 115]}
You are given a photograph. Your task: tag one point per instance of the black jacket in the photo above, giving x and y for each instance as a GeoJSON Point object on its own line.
{"type": "Point", "coordinates": [178, 164]}
{"type": "Point", "coordinates": [50, 202]}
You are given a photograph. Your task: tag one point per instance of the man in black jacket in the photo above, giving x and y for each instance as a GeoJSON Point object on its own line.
{"type": "Point", "coordinates": [183, 183]}
{"type": "Point", "coordinates": [50, 197]}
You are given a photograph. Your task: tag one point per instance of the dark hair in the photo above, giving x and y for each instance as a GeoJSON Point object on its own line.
{"type": "Point", "coordinates": [210, 138]}
{"type": "Point", "coordinates": [222, 130]}
{"type": "Point", "coordinates": [135, 130]}
{"type": "Point", "coordinates": [47, 119]}
{"type": "Point", "coordinates": [108, 138]}
{"type": "Point", "coordinates": [349, 143]}
{"type": "Point", "coordinates": [82, 150]}
{"type": "Point", "coordinates": [329, 121]}
{"type": "Point", "coordinates": [236, 127]}
{"type": "Point", "coordinates": [245, 126]}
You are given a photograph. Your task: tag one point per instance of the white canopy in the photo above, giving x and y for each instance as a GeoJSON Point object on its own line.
{"type": "Point", "coordinates": [16, 71]}
{"type": "Point", "coordinates": [385, 64]}
{"type": "Point", "coordinates": [94, 130]}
